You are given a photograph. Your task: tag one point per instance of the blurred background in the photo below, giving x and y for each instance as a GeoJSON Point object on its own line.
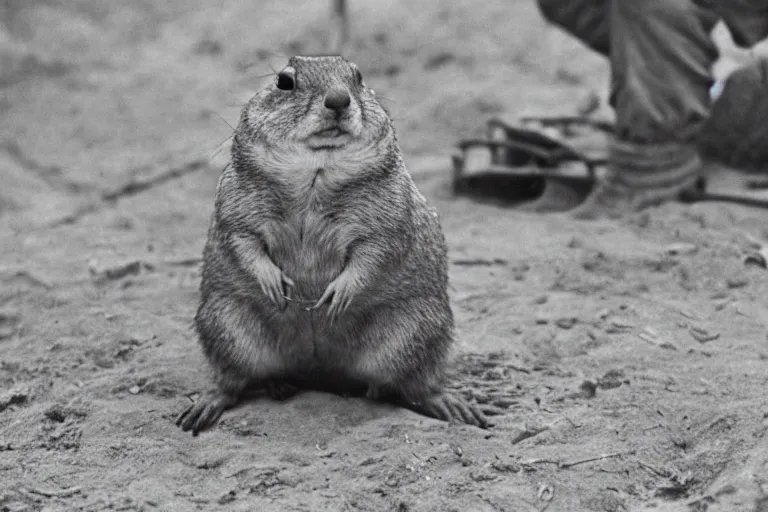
{"type": "Point", "coordinates": [95, 94]}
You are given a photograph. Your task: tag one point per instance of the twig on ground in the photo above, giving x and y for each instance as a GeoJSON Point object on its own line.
{"type": "Point", "coordinates": [541, 461]}
{"type": "Point", "coordinates": [135, 187]}
{"type": "Point", "coordinates": [566, 465]}
{"type": "Point", "coordinates": [262, 470]}
{"type": "Point", "coordinates": [702, 335]}
{"type": "Point", "coordinates": [130, 189]}
{"type": "Point", "coordinates": [521, 369]}
{"type": "Point", "coordinates": [688, 314]}
{"type": "Point", "coordinates": [480, 262]}
{"type": "Point", "coordinates": [650, 336]}
{"type": "Point", "coordinates": [61, 493]}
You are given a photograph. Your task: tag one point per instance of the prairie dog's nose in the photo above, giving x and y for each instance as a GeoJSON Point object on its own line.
{"type": "Point", "coordinates": [337, 99]}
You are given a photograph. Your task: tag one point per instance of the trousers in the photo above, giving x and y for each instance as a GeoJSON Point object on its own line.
{"type": "Point", "coordinates": [661, 56]}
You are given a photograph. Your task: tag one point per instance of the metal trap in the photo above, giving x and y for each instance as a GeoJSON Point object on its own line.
{"type": "Point", "coordinates": [519, 162]}
{"type": "Point", "coordinates": [552, 163]}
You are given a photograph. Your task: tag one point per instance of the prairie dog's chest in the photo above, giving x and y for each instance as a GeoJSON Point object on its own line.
{"type": "Point", "coordinates": [312, 238]}
{"type": "Point", "coordinates": [311, 200]}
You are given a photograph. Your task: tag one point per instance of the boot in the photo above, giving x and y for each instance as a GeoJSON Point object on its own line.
{"type": "Point", "coordinates": [639, 176]}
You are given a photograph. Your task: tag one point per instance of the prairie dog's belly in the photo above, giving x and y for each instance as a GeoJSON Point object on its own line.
{"type": "Point", "coordinates": [310, 251]}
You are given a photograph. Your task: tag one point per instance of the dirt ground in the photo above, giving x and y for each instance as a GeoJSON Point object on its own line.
{"type": "Point", "coordinates": [628, 359]}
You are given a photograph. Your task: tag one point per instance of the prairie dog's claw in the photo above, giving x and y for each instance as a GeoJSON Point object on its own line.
{"type": "Point", "coordinates": [205, 412]}
{"type": "Point", "coordinates": [275, 288]}
{"type": "Point", "coordinates": [452, 408]}
{"type": "Point", "coordinates": [340, 293]}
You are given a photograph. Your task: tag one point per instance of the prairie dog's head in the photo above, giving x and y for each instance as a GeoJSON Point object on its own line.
{"type": "Point", "coordinates": [317, 111]}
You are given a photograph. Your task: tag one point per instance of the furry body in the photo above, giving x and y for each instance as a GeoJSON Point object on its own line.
{"type": "Point", "coordinates": [323, 261]}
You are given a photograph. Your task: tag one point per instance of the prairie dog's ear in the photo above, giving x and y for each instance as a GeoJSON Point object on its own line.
{"type": "Point", "coordinates": [358, 75]}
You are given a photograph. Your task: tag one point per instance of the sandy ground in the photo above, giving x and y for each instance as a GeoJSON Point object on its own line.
{"type": "Point", "coordinates": [629, 359]}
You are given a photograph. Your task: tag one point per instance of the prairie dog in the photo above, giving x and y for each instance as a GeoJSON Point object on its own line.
{"type": "Point", "coordinates": [323, 261]}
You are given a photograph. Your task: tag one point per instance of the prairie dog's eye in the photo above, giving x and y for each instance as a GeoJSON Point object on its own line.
{"type": "Point", "coordinates": [285, 80]}
{"type": "Point", "coordinates": [358, 77]}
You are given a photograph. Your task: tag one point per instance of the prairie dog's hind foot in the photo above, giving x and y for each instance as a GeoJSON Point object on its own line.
{"type": "Point", "coordinates": [206, 411]}
{"type": "Point", "coordinates": [452, 408]}
{"type": "Point", "coordinates": [209, 407]}
{"type": "Point", "coordinates": [444, 406]}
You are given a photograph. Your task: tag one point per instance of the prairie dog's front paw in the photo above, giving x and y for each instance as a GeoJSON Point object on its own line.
{"type": "Point", "coordinates": [273, 283]}
{"type": "Point", "coordinates": [340, 292]}
{"type": "Point", "coordinates": [257, 263]}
